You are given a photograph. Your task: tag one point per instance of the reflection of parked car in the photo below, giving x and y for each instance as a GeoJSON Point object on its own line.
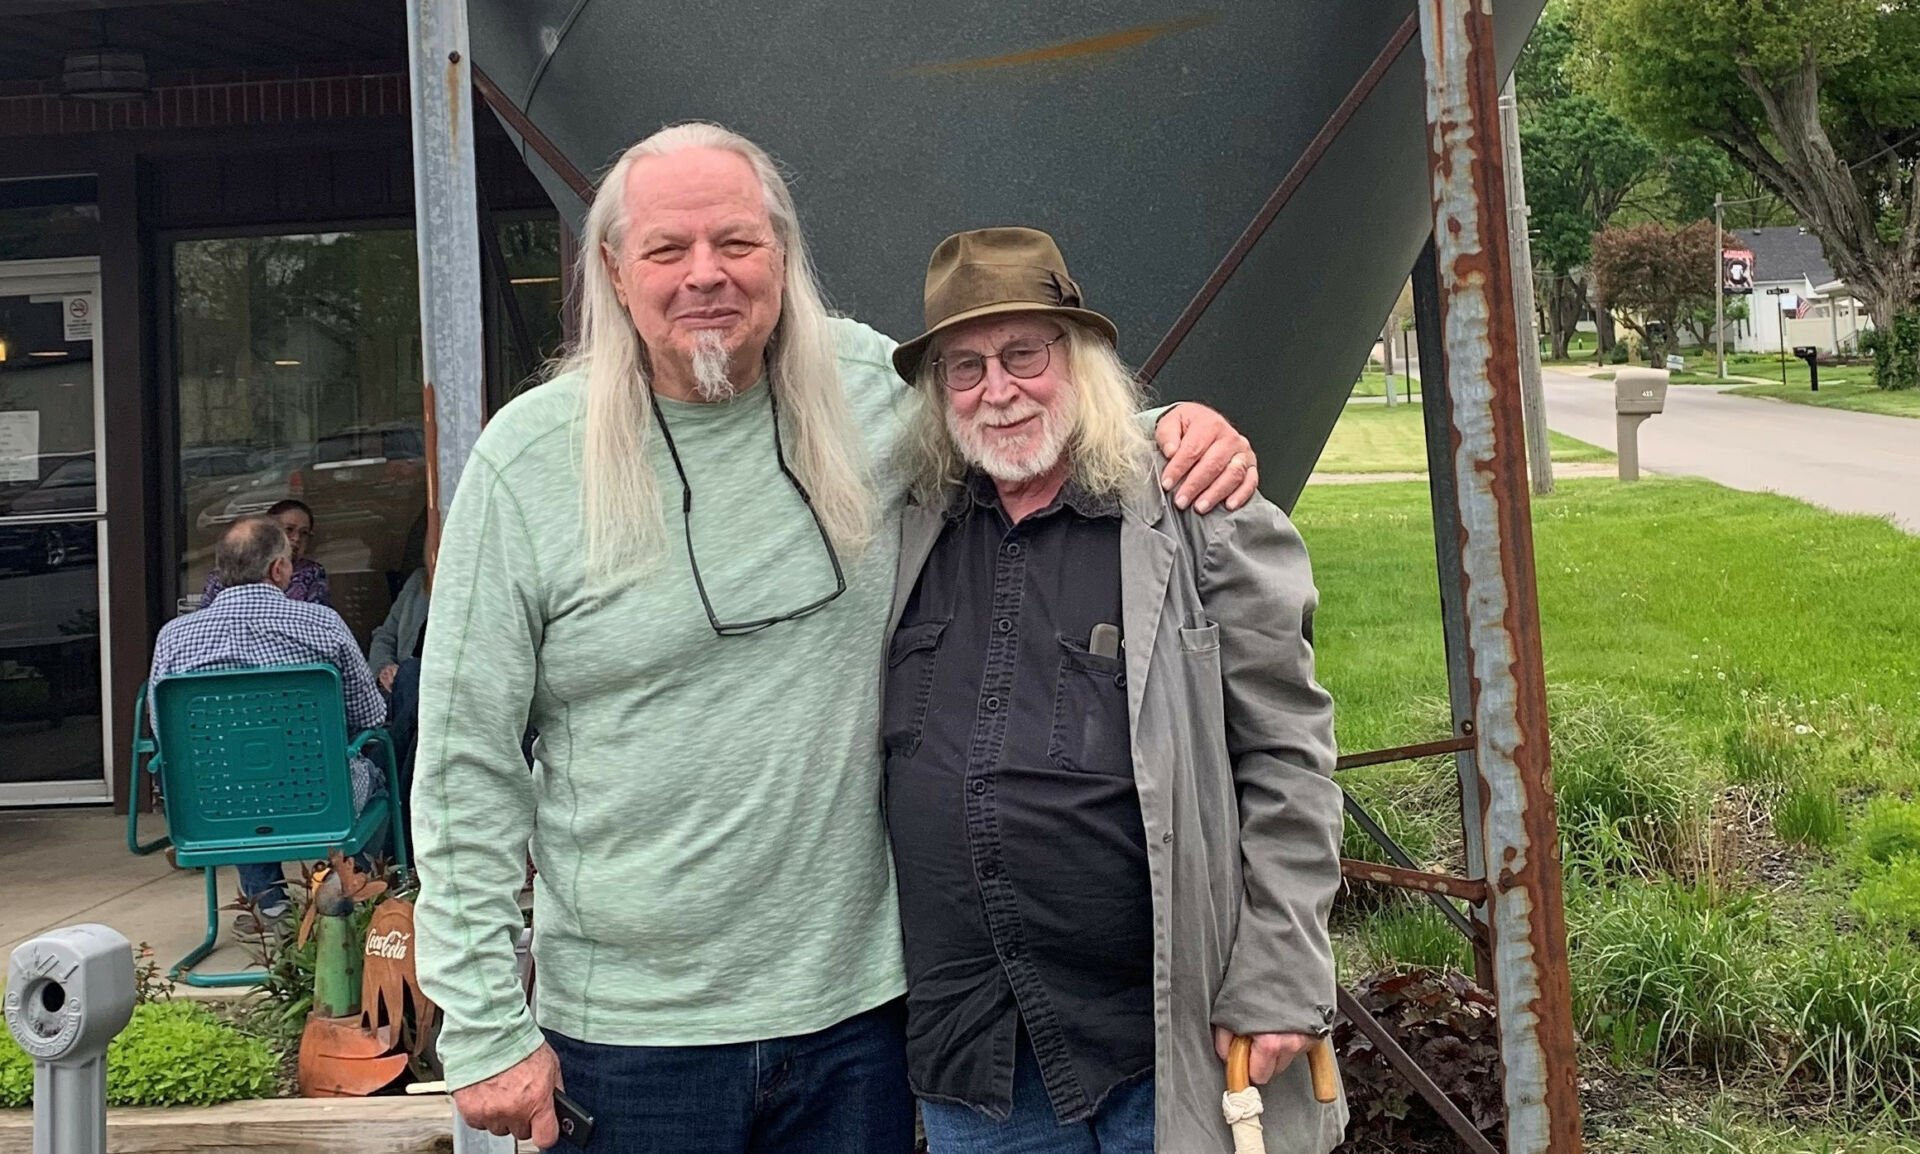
{"type": "Point", "coordinates": [209, 473]}
{"type": "Point", "coordinates": [68, 489]}
{"type": "Point", "coordinates": [365, 483]}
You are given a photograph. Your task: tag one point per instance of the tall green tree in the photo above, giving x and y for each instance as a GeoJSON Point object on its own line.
{"type": "Point", "coordinates": [1582, 162]}
{"type": "Point", "coordinates": [1818, 99]}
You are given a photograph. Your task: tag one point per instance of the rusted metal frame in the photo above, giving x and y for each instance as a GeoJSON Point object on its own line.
{"type": "Point", "coordinates": [1403, 1063]}
{"type": "Point", "coordinates": [1446, 885]}
{"type": "Point", "coordinates": [507, 110]}
{"type": "Point", "coordinates": [1481, 362]}
{"type": "Point", "coordinates": [1404, 752]}
{"type": "Point", "coordinates": [1290, 184]}
{"type": "Point", "coordinates": [1405, 861]}
{"type": "Point", "coordinates": [1436, 411]}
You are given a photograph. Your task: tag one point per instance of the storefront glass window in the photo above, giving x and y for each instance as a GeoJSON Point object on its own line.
{"type": "Point", "coordinates": [48, 218]}
{"type": "Point", "coordinates": [298, 360]}
{"type": "Point", "coordinates": [530, 249]}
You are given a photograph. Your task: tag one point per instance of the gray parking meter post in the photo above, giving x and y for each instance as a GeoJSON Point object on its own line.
{"type": "Point", "coordinates": [1637, 395]}
{"type": "Point", "coordinates": [69, 993]}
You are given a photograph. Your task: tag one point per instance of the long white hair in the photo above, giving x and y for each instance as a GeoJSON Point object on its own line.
{"type": "Point", "coordinates": [624, 526]}
{"type": "Point", "coordinates": [1107, 448]}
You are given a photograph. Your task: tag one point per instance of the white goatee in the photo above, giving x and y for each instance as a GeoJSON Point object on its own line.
{"type": "Point", "coordinates": [710, 360]}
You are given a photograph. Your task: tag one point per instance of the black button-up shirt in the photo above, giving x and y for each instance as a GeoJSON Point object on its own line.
{"type": "Point", "coordinates": [1012, 811]}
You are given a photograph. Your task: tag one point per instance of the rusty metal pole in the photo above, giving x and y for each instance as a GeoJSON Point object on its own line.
{"type": "Point", "coordinates": [1518, 831]}
{"type": "Point", "coordinates": [447, 236]}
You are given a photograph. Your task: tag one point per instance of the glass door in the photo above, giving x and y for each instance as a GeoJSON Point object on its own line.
{"type": "Point", "coordinates": [53, 646]}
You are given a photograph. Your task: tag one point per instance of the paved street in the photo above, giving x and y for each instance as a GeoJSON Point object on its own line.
{"type": "Point", "coordinates": [1851, 462]}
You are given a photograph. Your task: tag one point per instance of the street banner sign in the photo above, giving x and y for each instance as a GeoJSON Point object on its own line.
{"type": "Point", "coordinates": [1736, 265]}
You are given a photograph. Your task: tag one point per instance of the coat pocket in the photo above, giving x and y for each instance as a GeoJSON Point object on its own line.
{"type": "Point", "coordinates": [1201, 639]}
{"type": "Point", "coordinates": [910, 658]}
{"type": "Point", "coordinates": [1090, 723]}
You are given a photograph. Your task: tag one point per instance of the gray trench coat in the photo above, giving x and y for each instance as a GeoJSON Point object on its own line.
{"type": "Point", "coordinates": [1233, 754]}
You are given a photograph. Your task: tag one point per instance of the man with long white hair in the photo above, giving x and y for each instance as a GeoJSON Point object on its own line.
{"type": "Point", "coordinates": [674, 561]}
{"type": "Point", "coordinates": [1108, 767]}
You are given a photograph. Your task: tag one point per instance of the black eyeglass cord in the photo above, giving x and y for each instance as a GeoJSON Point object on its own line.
{"type": "Point", "coordinates": [686, 516]}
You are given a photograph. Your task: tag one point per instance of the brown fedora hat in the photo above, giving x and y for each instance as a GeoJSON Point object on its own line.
{"type": "Point", "coordinates": [990, 271]}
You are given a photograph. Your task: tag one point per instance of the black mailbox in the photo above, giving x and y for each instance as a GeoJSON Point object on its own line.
{"type": "Point", "coordinates": [1811, 355]}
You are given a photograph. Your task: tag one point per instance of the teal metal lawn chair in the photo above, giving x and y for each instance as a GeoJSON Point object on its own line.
{"type": "Point", "coordinates": [252, 766]}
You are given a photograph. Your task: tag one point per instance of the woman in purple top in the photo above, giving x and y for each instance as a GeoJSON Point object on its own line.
{"type": "Point", "coordinates": [309, 576]}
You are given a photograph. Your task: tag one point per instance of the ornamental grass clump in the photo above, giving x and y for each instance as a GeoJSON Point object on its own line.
{"type": "Point", "coordinates": [1663, 973]}
{"type": "Point", "coordinates": [1628, 792]}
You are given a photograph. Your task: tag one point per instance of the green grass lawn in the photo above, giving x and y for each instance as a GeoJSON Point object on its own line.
{"type": "Point", "coordinates": [1373, 381]}
{"type": "Point", "coordinates": [1376, 439]}
{"type": "Point", "coordinates": [1735, 702]}
{"type": "Point", "coordinates": [1855, 391]}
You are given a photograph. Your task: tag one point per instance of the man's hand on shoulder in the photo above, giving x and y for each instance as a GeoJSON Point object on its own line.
{"type": "Point", "coordinates": [517, 1100]}
{"type": "Point", "coordinates": [1206, 457]}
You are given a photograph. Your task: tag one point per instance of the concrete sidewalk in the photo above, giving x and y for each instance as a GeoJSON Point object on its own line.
{"type": "Point", "coordinates": [1846, 461]}
{"type": "Point", "coordinates": [63, 866]}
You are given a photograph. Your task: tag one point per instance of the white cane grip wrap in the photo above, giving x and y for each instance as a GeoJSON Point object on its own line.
{"type": "Point", "coordinates": [1242, 1109]}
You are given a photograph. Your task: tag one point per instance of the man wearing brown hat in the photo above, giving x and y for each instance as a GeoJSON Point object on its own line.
{"type": "Point", "coordinates": [674, 560]}
{"type": "Point", "coordinates": [1108, 765]}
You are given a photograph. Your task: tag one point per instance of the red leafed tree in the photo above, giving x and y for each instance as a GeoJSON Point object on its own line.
{"type": "Point", "coordinates": [1651, 276]}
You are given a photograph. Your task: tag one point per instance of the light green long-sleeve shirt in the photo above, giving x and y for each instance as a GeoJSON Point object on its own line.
{"type": "Point", "coordinates": [704, 814]}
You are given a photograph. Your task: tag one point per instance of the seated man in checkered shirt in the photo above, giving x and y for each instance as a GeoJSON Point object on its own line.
{"type": "Point", "coordinates": [252, 623]}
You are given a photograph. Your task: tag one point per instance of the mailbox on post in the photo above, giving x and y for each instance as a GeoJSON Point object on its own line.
{"type": "Point", "coordinates": [1637, 395]}
{"type": "Point", "coordinates": [1811, 355]}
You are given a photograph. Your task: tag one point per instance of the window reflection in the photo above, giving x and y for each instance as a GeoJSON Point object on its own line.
{"type": "Point", "coordinates": [49, 651]}
{"type": "Point", "coordinates": [299, 377]}
{"type": "Point", "coordinates": [523, 345]}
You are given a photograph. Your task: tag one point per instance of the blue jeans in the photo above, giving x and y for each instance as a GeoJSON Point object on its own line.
{"type": "Point", "coordinates": [1122, 1125]}
{"type": "Point", "coordinates": [842, 1090]}
{"type": "Point", "coordinates": [265, 883]}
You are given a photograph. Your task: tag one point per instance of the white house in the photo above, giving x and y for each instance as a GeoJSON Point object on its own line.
{"type": "Point", "coordinates": [1794, 289]}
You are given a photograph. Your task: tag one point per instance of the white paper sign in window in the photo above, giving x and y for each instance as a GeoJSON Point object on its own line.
{"type": "Point", "coordinates": [20, 446]}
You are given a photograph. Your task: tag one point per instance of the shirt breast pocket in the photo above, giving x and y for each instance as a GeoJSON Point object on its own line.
{"type": "Point", "coordinates": [1090, 723]}
{"type": "Point", "coordinates": [910, 659]}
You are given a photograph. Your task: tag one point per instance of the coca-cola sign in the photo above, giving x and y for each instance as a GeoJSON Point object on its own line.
{"type": "Point", "coordinates": [391, 945]}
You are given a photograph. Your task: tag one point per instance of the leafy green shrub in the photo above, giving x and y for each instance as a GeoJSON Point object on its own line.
{"type": "Point", "coordinates": [1412, 933]}
{"type": "Point", "coordinates": [1627, 791]}
{"type": "Point", "coordinates": [1889, 896]}
{"type": "Point", "coordinates": [1664, 973]}
{"type": "Point", "coordinates": [170, 1054]}
{"type": "Point", "coordinates": [1896, 351]}
{"type": "Point", "coordinates": [1889, 829]}
{"type": "Point", "coordinates": [1809, 815]}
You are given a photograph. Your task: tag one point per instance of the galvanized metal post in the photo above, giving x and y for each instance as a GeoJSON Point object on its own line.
{"type": "Point", "coordinates": [1533, 398]}
{"type": "Point", "coordinates": [1487, 436]}
{"type": "Point", "coordinates": [447, 234]}
{"type": "Point", "coordinates": [1436, 412]}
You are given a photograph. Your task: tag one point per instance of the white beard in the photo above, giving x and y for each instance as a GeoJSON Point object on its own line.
{"type": "Point", "coordinates": [710, 361]}
{"type": "Point", "coordinates": [1010, 465]}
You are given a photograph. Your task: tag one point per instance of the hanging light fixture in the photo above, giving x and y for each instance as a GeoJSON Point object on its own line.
{"type": "Point", "coordinates": [105, 72]}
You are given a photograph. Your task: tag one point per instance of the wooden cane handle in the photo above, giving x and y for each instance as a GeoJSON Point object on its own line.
{"type": "Point", "coordinates": [1326, 1079]}
{"type": "Point", "coordinates": [1239, 1058]}
{"type": "Point", "coordinates": [1320, 1065]}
